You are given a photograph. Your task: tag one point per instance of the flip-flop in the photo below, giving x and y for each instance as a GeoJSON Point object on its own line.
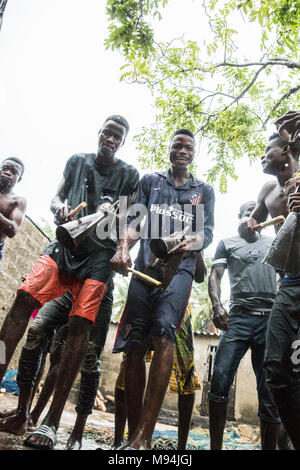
{"type": "Point", "coordinates": [42, 430]}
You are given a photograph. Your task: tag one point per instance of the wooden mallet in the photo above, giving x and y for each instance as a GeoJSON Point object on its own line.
{"type": "Point", "coordinates": [77, 209]}
{"type": "Point", "coordinates": [277, 220]}
{"type": "Point", "coordinates": [144, 276]}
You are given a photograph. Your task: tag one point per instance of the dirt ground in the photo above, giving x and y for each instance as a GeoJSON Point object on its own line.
{"type": "Point", "coordinates": [106, 420]}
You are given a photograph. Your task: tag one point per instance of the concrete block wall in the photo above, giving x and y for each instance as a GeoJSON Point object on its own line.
{"type": "Point", "coordinates": [19, 256]}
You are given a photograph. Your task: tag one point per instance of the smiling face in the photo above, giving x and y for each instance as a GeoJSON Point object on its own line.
{"type": "Point", "coordinates": [111, 138]}
{"type": "Point", "coordinates": [10, 174]}
{"type": "Point", "coordinates": [182, 151]}
{"type": "Point", "coordinates": [275, 157]}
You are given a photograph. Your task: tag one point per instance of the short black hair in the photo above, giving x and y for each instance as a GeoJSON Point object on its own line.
{"type": "Point", "coordinates": [245, 206]}
{"type": "Point", "coordinates": [119, 119]}
{"type": "Point", "coordinates": [18, 161]}
{"type": "Point", "coordinates": [184, 132]}
{"type": "Point", "coordinates": [294, 146]}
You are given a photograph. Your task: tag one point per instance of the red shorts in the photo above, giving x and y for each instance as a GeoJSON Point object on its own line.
{"type": "Point", "coordinates": [45, 283]}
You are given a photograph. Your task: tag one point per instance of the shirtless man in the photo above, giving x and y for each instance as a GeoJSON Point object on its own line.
{"type": "Point", "coordinates": [12, 207]}
{"type": "Point", "coordinates": [281, 160]}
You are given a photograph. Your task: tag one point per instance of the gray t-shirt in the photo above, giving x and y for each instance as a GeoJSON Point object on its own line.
{"type": "Point", "coordinates": [252, 284]}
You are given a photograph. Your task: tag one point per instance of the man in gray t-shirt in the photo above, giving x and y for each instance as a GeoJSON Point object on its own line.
{"type": "Point", "coordinates": [252, 293]}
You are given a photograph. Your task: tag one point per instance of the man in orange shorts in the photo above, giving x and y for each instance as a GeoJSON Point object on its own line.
{"type": "Point", "coordinates": [97, 179]}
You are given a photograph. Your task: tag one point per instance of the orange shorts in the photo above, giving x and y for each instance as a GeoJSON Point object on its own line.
{"type": "Point", "coordinates": [45, 283]}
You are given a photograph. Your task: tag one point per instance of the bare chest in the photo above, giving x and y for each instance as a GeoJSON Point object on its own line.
{"type": "Point", "coordinates": [277, 200]}
{"type": "Point", "coordinates": [7, 203]}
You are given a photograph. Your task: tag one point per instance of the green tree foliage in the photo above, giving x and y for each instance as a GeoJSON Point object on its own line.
{"type": "Point", "coordinates": [212, 86]}
{"type": "Point", "coordinates": [120, 296]}
{"type": "Point", "coordinates": [200, 302]}
{"type": "Point", "coordinates": [129, 29]}
{"type": "Point", "coordinates": [47, 228]}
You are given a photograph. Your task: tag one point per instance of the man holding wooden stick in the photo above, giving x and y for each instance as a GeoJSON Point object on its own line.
{"type": "Point", "coordinates": [172, 199]}
{"type": "Point", "coordinates": [277, 197]}
{"type": "Point", "coordinates": [96, 179]}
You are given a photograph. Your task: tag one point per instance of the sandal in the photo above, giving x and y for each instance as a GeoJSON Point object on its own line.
{"type": "Point", "coordinates": [43, 430]}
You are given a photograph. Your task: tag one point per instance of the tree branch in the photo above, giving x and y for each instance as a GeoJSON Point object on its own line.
{"type": "Point", "coordinates": [284, 97]}
{"type": "Point", "coordinates": [247, 88]}
{"type": "Point", "coordinates": [235, 99]}
{"type": "Point", "coordinates": [284, 62]}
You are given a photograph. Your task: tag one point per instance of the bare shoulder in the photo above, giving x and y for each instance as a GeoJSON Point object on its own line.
{"type": "Point", "coordinates": [267, 189]}
{"type": "Point", "coordinates": [20, 202]}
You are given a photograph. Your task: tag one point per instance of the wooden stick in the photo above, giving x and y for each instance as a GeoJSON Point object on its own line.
{"type": "Point", "coordinates": [144, 276]}
{"type": "Point", "coordinates": [77, 209]}
{"type": "Point", "coordinates": [277, 220]}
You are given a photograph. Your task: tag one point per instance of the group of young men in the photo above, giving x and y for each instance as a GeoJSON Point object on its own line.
{"type": "Point", "coordinates": [73, 290]}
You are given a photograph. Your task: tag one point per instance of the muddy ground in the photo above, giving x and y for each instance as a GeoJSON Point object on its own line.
{"type": "Point", "coordinates": [98, 418]}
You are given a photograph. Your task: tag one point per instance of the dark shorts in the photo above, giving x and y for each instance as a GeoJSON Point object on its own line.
{"type": "Point", "coordinates": [51, 324]}
{"type": "Point", "coordinates": [52, 320]}
{"type": "Point", "coordinates": [245, 331]}
{"type": "Point", "coordinates": [282, 359]}
{"type": "Point", "coordinates": [184, 379]}
{"type": "Point", "coordinates": [46, 283]}
{"type": "Point", "coordinates": [150, 311]}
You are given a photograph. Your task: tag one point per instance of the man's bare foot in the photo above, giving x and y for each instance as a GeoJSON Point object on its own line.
{"type": "Point", "coordinates": [44, 437]}
{"type": "Point", "coordinates": [135, 444]}
{"type": "Point", "coordinates": [7, 413]}
{"type": "Point", "coordinates": [31, 423]}
{"type": "Point", "coordinates": [112, 447]}
{"type": "Point", "coordinates": [74, 443]}
{"type": "Point", "coordinates": [16, 424]}
{"type": "Point", "coordinates": [115, 446]}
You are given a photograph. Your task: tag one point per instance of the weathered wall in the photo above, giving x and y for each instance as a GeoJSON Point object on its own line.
{"type": "Point", "coordinates": [110, 363]}
{"type": "Point", "coordinates": [246, 403]}
{"type": "Point", "coordinates": [19, 256]}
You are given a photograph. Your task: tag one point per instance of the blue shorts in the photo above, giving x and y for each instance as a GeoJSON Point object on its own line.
{"type": "Point", "coordinates": [149, 311]}
{"type": "Point", "coordinates": [245, 331]}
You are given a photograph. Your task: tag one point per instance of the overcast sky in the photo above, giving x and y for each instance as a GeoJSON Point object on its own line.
{"type": "Point", "coordinates": [58, 83]}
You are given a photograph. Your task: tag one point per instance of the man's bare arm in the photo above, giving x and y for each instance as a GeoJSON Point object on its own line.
{"type": "Point", "coordinates": [9, 226]}
{"type": "Point", "coordinates": [201, 269]}
{"type": "Point", "coordinates": [58, 207]}
{"type": "Point", "coordinates": [258, 215]}
{"type": "Point", "coordinates": [220, 315]}
{"type": "Point", "coordinates": [121, 260]}
{"type": "Point", "coordinates": [260, 212]}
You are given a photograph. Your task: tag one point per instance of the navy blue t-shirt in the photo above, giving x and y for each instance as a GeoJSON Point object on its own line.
{"type": "Point", "coordinates": [170, 207]}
